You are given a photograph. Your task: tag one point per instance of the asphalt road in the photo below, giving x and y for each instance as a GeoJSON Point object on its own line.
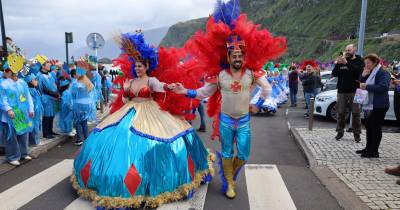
{"type": "Point", "coordinates": [271, 145]}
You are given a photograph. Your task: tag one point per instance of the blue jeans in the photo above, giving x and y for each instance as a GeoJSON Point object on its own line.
{"type": "Point", "coordinates": [241, 133]}
{"type": "Point", "coordinates": [16, 146]}
{"type": "Point", "coordinates": [34, 138]}
{"type": "Point", "coordinates": [81, 130]}
{"type": "Point", "coordinates": [308, 97]}
{"type": "Point", "coordinates": [293, 94]}
{"type": "Point", "coordinates": [317, 91]}
{"type": "Point", "coordinates": [200, 109]}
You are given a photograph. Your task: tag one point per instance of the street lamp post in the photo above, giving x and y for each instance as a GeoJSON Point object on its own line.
{"type": "Point", "coordinates": [3, 31]}
{"type": "Point", "coordinates": [361, 32]}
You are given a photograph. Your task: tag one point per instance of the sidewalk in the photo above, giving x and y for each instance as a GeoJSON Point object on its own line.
{"type": "Point", "coordinates": [365, 177]}
{"type": "Point", "coordinates": [47, 144]}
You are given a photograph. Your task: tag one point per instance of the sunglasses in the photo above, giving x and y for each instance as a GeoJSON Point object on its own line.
{"type": "Point", "coordinates": [7, 70]}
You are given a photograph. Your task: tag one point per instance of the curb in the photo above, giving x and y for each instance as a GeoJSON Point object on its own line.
{"type": "Point", "coordinates": [346, 198]}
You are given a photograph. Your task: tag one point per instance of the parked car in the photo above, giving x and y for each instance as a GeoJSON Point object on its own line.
{"type": "Point", "coordinates": [325, 102]}
{"type": "Point", "coordinates": [325, 76]}
{"type": "Point", "coordinates": [330, 84]}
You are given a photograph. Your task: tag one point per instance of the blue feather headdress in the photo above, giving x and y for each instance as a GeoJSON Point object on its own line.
{"type": "Point", "coordinates": [227, 12]}
{"type": "Point", "coordinates": [137, 49]}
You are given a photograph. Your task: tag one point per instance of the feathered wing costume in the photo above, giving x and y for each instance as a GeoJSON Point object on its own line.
{"type": "Point", "coordinates": [210, 47]}
{"type": "Point", "coordinates": [140, 154]}
{"type": "Point", "coordinates": [228, 31]}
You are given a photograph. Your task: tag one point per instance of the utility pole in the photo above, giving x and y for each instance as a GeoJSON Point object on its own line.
{"type": "Point", "coordinates": [3, 31]}
{"type": "Point", "coordinates": [361, 32]}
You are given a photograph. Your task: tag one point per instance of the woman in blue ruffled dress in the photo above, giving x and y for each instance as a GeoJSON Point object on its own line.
{"type": "Point", "coordinates": [140, 154]}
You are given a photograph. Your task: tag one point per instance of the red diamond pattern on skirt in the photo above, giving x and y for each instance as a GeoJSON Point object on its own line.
{"type": "Point", "coordinates": [191, 166]}
{"type": "Point", "coordinates": [85, 172]}
{"type": "Point", "coordinates": [132, 180]}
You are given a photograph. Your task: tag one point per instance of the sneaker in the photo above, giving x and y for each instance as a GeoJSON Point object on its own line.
{"type": "Point", "coordinates": [339, 136]}
{"type": "Point", "coordinates": [78, 142]}
{"type": "Point", "coordinates": [71, 134]}
{"type": "Point", "coordinates": [27, 157]}
{"type": "Point", "coordinates": [306, 115]}
{"type": "Point", "coordinates": [15, 163]}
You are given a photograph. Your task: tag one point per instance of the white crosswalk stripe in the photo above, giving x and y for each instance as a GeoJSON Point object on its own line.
{"type": "Point", "coordinates": [22, 193]}
{"type": "Point", "coordinates": [265, 187]}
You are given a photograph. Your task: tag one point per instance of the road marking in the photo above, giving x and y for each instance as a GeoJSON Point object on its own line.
{"type": "Point", "coordinates": [80, 204]}
{"type": "Point", "coordinates": [22, 193]}
{"type": "Point", "coordinates": [266, 188]}
{"type": "Point", "coordinates": [197, 202]}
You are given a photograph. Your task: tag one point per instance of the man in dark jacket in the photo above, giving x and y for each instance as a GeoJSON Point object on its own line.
{"type": "Point", "coordinates": [348, 69]}
{"type": "Point", "coordinates": [309, 83]}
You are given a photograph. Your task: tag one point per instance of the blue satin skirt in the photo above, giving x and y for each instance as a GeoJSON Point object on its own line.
{"type": "Point", "coordinates": [118, 167]}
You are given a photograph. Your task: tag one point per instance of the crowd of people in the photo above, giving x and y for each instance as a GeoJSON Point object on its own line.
{"type": "Point", "coordinates": [33, 92]}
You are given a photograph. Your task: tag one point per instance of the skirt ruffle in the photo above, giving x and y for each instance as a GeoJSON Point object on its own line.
{"type": "Point", "coordinates": [119, 168]}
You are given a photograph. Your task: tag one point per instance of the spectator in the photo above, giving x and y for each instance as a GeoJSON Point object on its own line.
{"type": "Point", "coordinates": [34, 136]}
{"type": "Point", "coordinates": [17, 112]}
{"type": "Point", "coordinates": [348, 69]}
{"type": "Point", "coordinates": [50, 96]}
{"type": "Point", "coordinates": [4, 75]}
{"type": "Point", "coordinates": [293, 85]}
{"type": "Point", "coordinates": [108, 87]}
{"type": "Point", "coordinates": [376, 82]}
{"type": "Point", "coordinates": [319, 85]}
{"type": "Point", "coordinates": [309, 83]}
{"type": "Point", "coordinates": [396, 97]}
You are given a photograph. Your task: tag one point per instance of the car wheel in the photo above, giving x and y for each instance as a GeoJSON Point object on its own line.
{"type": "Point", "coordinates": [332, 114]}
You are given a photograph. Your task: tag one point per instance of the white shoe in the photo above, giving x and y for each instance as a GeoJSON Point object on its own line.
{"type": "Point", "coordinates": [27, 157]}
{"type": "Point", "coordinates": [15, 163]}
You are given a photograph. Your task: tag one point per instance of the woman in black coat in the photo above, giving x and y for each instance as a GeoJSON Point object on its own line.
{"type": "Point", "coordinates": [376, 81]}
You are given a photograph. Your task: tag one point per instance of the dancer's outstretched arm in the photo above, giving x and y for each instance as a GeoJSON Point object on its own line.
{"type": "Point", "coordinates": [204, 92]}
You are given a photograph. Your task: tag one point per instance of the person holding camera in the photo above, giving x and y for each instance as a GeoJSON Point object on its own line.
{"type": "Point", "coordinates": [348, 68]}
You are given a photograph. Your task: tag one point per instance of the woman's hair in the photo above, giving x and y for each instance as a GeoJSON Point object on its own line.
{"type": "Point", "coordinates": [85, 80]}
{"type": "Point", "coordinates": [374, 58]}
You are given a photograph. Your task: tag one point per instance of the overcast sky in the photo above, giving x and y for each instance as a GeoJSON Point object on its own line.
{"type": "Point", "coordinates": [40, 24]}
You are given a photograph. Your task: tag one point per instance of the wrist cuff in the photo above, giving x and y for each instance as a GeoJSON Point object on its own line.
{"type": "Point", "coordinates": [191, 93]}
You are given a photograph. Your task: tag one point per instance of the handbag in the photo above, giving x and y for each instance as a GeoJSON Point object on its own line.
{"type": "Point", "coordinates": [361, 97]}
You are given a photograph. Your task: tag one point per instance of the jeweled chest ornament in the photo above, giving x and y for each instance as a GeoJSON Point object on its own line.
{"type": "Point", "coordinates": [236, 87]}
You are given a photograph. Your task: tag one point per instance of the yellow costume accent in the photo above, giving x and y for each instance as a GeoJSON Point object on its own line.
{"type": "Point", "coordinates": [227, 166]}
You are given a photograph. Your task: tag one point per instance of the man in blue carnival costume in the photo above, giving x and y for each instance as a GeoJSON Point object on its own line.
{"type": "Point", "coordinates": [17, 112]}
{"type": "Point", "coordinates": [50, 96]}
{"type": "Point", "coordinates": [233, 51]}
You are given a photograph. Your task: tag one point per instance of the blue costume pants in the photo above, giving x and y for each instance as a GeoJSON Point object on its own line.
{"type": "Point", "coordinates": [232, 130]}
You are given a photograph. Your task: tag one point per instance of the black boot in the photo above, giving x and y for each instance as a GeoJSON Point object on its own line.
{"type": "Point", "coordinates": [46, 128]}
{"type": "Point", "coordinates": [51, 121]}
{"type": "Point", "coordinates": [357, 138]}
{"type": "Point", "coordinates": [339, 135]}
{"type": "Point", "coordinates": [361, 151]}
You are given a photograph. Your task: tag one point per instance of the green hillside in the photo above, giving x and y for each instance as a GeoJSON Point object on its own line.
{"type": "Point", "coordinates": [315, 28]}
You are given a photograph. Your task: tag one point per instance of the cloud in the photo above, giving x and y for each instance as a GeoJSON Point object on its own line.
{"type": "Point", "coordinates": [44, 21]}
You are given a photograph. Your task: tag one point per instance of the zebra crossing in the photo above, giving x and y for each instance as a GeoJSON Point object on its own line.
{"type": "Point", "coordinates": [265, 189]}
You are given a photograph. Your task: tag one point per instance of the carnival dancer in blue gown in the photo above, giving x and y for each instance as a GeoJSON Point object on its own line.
{"type": "Point", "coordinates": [140, 154]}
{"type": "Point", "coordinates": [34, 136]}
